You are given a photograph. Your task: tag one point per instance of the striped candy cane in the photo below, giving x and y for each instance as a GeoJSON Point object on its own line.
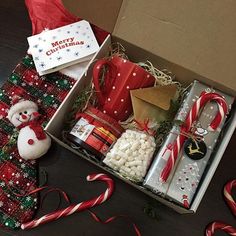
{"type": "Point", "coordinates": [200, 103]}
{"type": "Point", "coordinates": [210, 230]}
{"type": "Point", "coordinates": [228, 195]}
{"type": "Point", "coordinates": [76, 207]}
{"type": "Point", "coordinates": [186, 127]}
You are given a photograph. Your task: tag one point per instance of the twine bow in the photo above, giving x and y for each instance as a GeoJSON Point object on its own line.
{"type": "Point", "coordinates": [194, 137]}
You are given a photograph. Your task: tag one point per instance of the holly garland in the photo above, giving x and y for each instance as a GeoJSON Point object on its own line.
{"type": "Point", "coordinates": [19, 177]}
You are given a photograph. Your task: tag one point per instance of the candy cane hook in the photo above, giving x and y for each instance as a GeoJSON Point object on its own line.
{"type": "Point", "coordinates": [186, 127]}
{"type": "Point", "coordinates": [228, 195]}
{"type": "Point", "coordinates": [200, 103]}
{"type": "Point", "coordinates": [210, 230]}
{"type": "Point", "coordinates": [76, 207]}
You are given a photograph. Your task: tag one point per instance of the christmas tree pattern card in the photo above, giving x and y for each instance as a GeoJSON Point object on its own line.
{"type": "Point", "coordinates": [55, 49]}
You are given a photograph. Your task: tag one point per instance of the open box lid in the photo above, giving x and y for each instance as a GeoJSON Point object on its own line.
{"type": "Point", "coordinates": [198, 35]}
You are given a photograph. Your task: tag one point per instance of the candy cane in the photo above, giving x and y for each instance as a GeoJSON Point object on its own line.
{"type": "Point", "coordinates": [228, 195]}
{"type": "Point", "coordinates": [76, 207]}
{"type": "Point", "coordinates": [200, 103]}
{"type": "Point", "coordinates": [186, 127]}
{"type": "Point", "coordinates": [210, 230]}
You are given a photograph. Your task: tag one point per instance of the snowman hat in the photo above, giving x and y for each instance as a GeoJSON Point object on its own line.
{"type": "Point", "coordinates": [20, 104]}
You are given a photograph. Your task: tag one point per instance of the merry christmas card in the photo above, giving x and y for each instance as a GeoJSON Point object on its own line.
{"type": "Point", "coordinates": [56, 49]}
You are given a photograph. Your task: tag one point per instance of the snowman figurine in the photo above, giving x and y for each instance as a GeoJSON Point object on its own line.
{"type": "Point", "coordinates": [32, 141]}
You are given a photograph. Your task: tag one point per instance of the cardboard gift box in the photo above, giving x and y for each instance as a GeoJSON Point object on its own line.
{"type": "Point", "coordinates": [194, 40]}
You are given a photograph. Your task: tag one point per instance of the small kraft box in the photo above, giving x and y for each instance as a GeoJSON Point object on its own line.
{"type": "Point", "coordinates": [186, 39]}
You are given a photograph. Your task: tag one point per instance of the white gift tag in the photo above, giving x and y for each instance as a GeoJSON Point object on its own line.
{"type": "Point", "coordinates": [82, 129]}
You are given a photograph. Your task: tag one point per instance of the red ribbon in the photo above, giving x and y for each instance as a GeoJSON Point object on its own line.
{"type": "Point", "coordinates": [66, 198]}
{"type": "Point", "coordinates": [96, 218]}
{"type": "Point", "coordinates": [143, 126]}
{"type": "Point", "coordinates": [50, 189]}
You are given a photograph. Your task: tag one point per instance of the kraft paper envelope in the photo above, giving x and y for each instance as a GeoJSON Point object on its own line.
{"type": "Point", "coordinates": [153, 103]}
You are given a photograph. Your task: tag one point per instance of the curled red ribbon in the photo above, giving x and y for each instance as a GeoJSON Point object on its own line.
{"type": "Point", "coordinates": [144, 126]}
{"type": "Point", "coordinates": [96, 218]}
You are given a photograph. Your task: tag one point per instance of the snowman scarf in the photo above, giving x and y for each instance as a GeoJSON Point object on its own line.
{"type": "Point", "coordinates": [19, 177]}
{"type": "Point", "coordinates": [36, 127]}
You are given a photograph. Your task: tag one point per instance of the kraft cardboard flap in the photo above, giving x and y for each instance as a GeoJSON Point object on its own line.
{"type": "Point", "coordinates": [158, 96]}
{"type": "Point", "coordinates": [102, 13]}
{"type": "Point", "coordinates": [198, 35]}
{"type": "Point", "coordinates": [153, 103]}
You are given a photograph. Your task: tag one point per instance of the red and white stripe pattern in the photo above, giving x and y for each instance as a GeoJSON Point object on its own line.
{"type": "Point", "coordinates": [173, 157]}
{"type": "Point", "coordinates": [200, 103]}
{"type": "Point", "coordinates": [76, 207]}
{"type": "Point", "coordinates": [186, 127]}
{"type": "Point", "coordinates": [228, 195]}
{"type": "Point", "coordinates": [210, 230]}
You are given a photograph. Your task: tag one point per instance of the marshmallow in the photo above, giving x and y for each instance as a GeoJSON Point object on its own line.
{"type": "Point", "coordinates": [131, 154]}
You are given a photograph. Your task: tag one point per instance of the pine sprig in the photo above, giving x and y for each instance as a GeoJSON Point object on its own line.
{"type": "Point", "coordinates": [161, 132]}
{"type": "Point", "coordinates": [85, 97]}
{"type": "Point", "coordinates": [12, 142]}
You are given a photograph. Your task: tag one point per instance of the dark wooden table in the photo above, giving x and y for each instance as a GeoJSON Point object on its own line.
{"type": "Point", "coordinates": [67, 171]}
